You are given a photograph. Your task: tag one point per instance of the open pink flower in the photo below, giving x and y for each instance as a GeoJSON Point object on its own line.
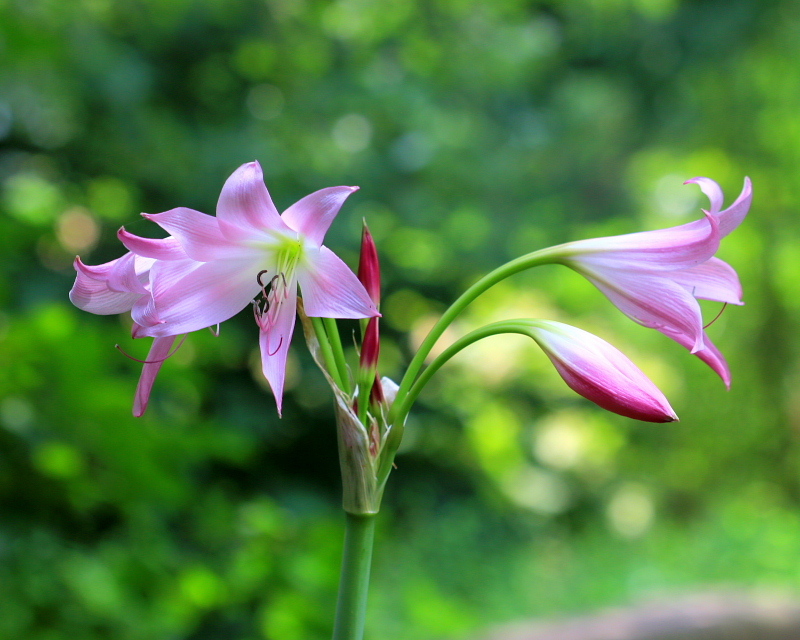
{"type": "Point", "coordinates": [599, 372]}
{"type": "Point", "coordinates": [656, 277]}
{"type": "Point", "coordinates": [118, 286]}
{"type": "Point", "coordinates": [249, 250]}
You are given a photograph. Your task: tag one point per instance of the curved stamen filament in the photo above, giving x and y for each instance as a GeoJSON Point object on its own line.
{"type": "Point", "coordinates": [280, 342]}
{"type": "Point", "coordinates": [725, 304]}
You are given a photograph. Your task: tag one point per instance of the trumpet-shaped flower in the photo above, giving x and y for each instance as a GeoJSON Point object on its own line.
{"type": "Point", "coordinates": [249, 251]}
{"type": "Point", "coordinates": [656, 277]}
{"type": "Point", "coordinates": [599, 372]}
{"type": "Point", "coordinates": [120, 285]}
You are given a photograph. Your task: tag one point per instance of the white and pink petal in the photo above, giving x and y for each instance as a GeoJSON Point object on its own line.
{"type": "Point", "coordinates": [274, 341]}
{"type": "Point", "coordinates": [330, 289]}
{"type": "Point", "coordinates": [205, 295]}
{"type": "Point", "coordinates": [244, 202]}
{"type": "Point", "coordinates": [312, 216]}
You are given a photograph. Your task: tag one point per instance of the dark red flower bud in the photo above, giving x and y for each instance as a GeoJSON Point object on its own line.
{"type": "Point", "coordinates": [370, 346]}
{"type": "Point", "coordinates": [369, 267]}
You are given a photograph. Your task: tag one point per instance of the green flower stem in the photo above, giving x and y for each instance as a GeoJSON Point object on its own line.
{"type": "Point", "coordinates": [535, 259]}
{"type": "Point", "coordinates": [506, 326]}
{"type": "Point", "coordinates": [351, 607]}
{"type": "Point", "coordinates": [402, 409]}
{"type": "Point", "coordinates": [338, 352]}
{"type": "Point", "coordinates": [327, 351]}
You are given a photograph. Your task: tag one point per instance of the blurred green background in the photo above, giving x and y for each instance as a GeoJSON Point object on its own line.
{"type": "Point", "coordinates": [477, 131]}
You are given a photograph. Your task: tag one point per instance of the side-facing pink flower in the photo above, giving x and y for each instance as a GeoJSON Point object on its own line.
{"type": "Point", "coordinates": [118, 286]}
{"type": "Point", "coordinates": [656, 277]}
{"type": "Point", "coordinates": [599, 372]}
{"type": "Point", "coordinates": [248, 250]}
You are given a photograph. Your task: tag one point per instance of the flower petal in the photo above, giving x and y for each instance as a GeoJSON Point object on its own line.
{"type": "Point", "coordinates": [245, 202]}
{"type": "Point", "coordinates": [678, 247]}
{"type": "Point", "coordinates": [194, 296]}
{"type": "Point", "coordinates": [711, 280]}
{"type": "Point", "coordinates": [159, 249]}
{"type": "Point", "coordinates": [732, 216]}
{"type": "Point", "coordinates": [92, 293]}
{"type": "Point", "coordinates": [709, 354]}
{"type": "Point", "coordinates": [653, 301]}
{"type": "Point", "coordinates": [274, 344]}
{"type": "Point", "coordinates": [313, 215]}
{"type": "Point", "coordinates": [331, 290]}
{"type": "Point", "coordinates": [128, 274]}
{"type": "Point", "coordinates": [198, 233]}
{"type": "Point", "coordinates": [712, 190]}
{"type": "Point", "coordinates": [159, 351]}
{"type": "Point", "coordinates": [601, 373]}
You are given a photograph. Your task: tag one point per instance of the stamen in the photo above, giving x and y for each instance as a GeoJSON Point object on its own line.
{"type": "Point", "coordinates": [258, 277]}
{"type": "Point", "coordinates": [214, 331]}
{"type": "Point", "coordinates": [725, 304]}
{"type": "Point", "coordinates": [169, 355]}
{"type": "Point", "coordinates": [280, 342]}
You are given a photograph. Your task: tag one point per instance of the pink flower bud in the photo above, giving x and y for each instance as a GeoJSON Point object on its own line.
{"type": "Point", "coordinates": [599, 372]}
{"type": "Point", "coordinates": [369, 267]}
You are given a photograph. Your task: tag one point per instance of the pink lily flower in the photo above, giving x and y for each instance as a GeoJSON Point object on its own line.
{"type": "Point", "coordinates": [249, 250]}
{"type": "Point", "coordinates": [599, 372]}
{"type": "Point", "coordinates": [656, 277]}
{"type": "Point", "coordinates": [118, 286]}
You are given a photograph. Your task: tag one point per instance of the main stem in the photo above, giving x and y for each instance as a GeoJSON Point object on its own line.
{"type": "Point", "coordinates": [351, 607]}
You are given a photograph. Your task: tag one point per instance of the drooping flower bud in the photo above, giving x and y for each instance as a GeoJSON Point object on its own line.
{"type": "Point", "coordinates": [601, 373]}
{"type": "Point", "coordinates": [369, 267]}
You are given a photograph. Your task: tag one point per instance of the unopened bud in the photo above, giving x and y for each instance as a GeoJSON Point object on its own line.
{"type": "Point", "coordinates": [369, 267]}
{"type": "Point", "coordinates": [370, 346]}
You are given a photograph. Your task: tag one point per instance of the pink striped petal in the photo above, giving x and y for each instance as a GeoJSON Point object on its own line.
{"type": "Point", "coordinates": [709, 354]}
{"type": "Point", "coordinates": [199, 234]}
{"type": "Point", "coordinates": [732, 217]}
{"type": "Point", "coordinates": [312, 216]}
{"type": "Point", "coordinates": [663, 249]}
{"type": "Point", "coordinates": [331, 290]}
{"type": "Point", "coordinates": [155, 358]}
{"type": "Point", "coordinates": [274, 344]}
{"type": "Point", "coordinates": [712, 280]}
{"type": "Point", "coordinates": [245, 202]}
{"type": "Point", "coordinates": [652, 301]}
{"type": "Point", "coordinates": [712, 190]}
{"type": "Point", "coordinates": [128, 273]}
{"type": "Point", "coordinates": [207, 294]}
{"type": "Point", "coordinates": [92, 293]}
{"type": "Point", "coordinates": [159, 249]}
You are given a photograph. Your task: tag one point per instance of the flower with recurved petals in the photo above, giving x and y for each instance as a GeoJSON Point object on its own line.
{"type": "Point", "coordinates": [120, 285]}
{"type": "Point", "coordinates": [249, 250]}
{"type": "Point", "coordinates": [656, 277]}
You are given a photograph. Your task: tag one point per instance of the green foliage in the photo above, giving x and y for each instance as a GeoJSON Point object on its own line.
{"type": "Point", "coordinates": [477, 131]}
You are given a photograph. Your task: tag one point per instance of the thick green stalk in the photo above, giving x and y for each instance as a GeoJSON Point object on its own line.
{"type": "Point", "coordinates": [327, 352]}
{"type": "Point", "coordinates": [351, 607]}
{"type": "Point", "coordinates": [338, 352]}
{"type": "Point", "coordinates": [544, 256]}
